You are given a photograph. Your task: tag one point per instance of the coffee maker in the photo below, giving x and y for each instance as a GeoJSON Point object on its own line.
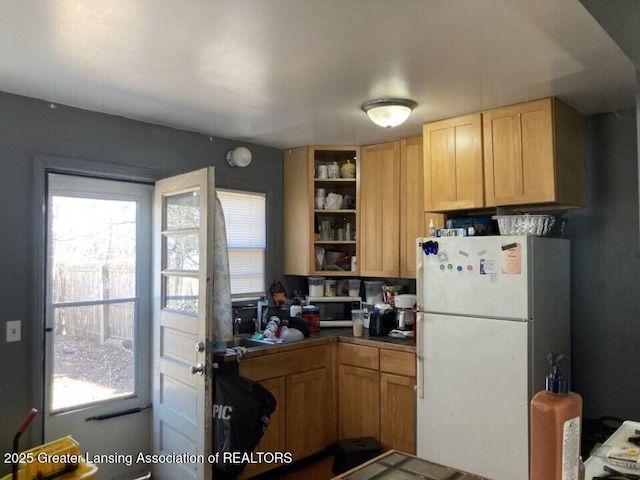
{"type": "Point", "coordinates": [405, 316]}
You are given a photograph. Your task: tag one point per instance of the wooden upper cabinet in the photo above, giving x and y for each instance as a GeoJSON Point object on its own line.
{"type": "Point", "coordinates": [302, 216]}
{"type": "Point", "coordinates": [379, 210]}
{"type": "Point", "coordinates": [412, 219]}
{"type": "Point", "coordinates": [534, 154]}
{"type": "Point", "coordinates": [298, 212]}
{"type": "Point", "coordinates": [453, 176]}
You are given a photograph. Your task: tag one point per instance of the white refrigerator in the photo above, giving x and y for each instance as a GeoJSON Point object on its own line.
{"type": "Point", "coordinates": [490, 309]}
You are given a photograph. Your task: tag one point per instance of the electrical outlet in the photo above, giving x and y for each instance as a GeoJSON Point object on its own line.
{"type": "Point", "coordinates": [14, 332]}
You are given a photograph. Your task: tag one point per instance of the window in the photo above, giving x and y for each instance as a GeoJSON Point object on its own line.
{"type": "Point", "coordinates": [245, 217]}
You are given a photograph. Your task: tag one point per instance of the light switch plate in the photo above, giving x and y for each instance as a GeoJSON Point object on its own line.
{"type": "Point", "coordinates": [14, 332]}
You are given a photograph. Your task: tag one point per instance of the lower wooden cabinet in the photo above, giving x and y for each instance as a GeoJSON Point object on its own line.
{"type": "Point", "coordinates": [302, 382]}
{"type": "Point", "coordinates": [273, 439]}
{"type": "Point", "coordinates": [359, 402]}
{"type": "Point", "coordinates": [376, 395]}
{"type": "Point", "coordinates": [308, 413]}
{"type": "Point", "coordinates": [397, 408]}
{"type": "Point", "coordinates": [334, 391]}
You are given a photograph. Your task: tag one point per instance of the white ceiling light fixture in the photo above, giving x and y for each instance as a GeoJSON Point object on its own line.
{"type": "Point", "coordinates": [239, 157]}
{"type": "Point", "coordinates": [389, 112]}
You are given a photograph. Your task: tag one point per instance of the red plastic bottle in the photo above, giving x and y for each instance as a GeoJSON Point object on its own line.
{"type": "Point", "coordinates": [556, 417]}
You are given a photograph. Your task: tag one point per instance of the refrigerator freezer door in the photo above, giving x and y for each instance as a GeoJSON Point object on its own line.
{"type": "Point", "coordinates": [474, 414]}
{"type": "Point", "coordinates": [482, 276]}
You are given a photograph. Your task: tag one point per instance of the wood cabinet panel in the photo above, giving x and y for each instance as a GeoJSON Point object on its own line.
{"type": "Point", "coordinates": [308, 408]}
{"type": "Point", "coordinates": [412, 222]}
{"type": "Point", "coordinates": [379, 228]}
{"type": "Point", "coordinates": [298, 225]}
{"type": "Point", "coordinates": [285, 363]}
{"type": "Point", "coordinates": [274, 438]}
{"type": "Point", "coordinates": [534, 154]}
{"type": "Point", "coordinates": [358, 402]}
{"type": "Point", "coordinates": [397, 411]}
{"type": "Point", "coordinates": [453, 176]}
{"type": "Point", "coordinates": [358, 356]}
{"type": "Point", "coordinates": [518, 154]}
{"type": "Point", "coordinates": [401, 363]}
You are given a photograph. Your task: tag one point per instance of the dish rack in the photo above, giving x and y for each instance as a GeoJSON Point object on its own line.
{"type": "Point", "coordinates": [537, 225]}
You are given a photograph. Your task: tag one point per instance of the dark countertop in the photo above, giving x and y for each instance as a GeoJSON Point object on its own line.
{"type": "Point", "coordinates": [325, 335]}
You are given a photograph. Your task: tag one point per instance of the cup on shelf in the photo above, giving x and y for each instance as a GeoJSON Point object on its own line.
{"type": "Point", "coordinates": [325, 230]}
{"type": "Point", "coordinates": [319, 203]}
{"type": "Point", "coordinates": [321, 171]}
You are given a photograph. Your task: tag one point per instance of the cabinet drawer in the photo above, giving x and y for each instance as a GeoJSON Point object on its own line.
{"type": "Point", "coordinates": [284, 363]}
{"type": "Point", "coordinates": [358, 356]}
{"type": "Point", "coordinates": [400, 363]}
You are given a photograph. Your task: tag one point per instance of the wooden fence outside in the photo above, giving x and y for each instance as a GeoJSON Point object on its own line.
{"type": "Point", "coordinates": [94, 282]}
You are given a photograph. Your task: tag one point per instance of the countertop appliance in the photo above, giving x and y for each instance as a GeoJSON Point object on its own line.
{"type": "Point", "coordinates": [335, 311]}
{"type": "Point", "coordinates": [490, 309]}
{"type": "Point", "coordinates": [380, 324]}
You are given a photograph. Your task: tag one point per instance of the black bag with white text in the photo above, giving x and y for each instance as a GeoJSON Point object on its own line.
{"type": "Point", "coordinates": [242, 409]}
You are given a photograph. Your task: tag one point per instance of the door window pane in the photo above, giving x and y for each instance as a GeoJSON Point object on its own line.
{"type": "Point", "coordinates": [182, 210]}
{"type": "Point", "coordinates": [181, 293]}
{"type": "Point", "coordinates": [182, 252]}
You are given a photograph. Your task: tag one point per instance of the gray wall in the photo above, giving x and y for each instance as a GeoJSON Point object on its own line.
{"type": "Point", "coordinates": [605, 245]}
{"type": "Point", "coordinates": [28, 127]}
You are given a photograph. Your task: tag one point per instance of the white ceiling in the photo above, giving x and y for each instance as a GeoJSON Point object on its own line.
{"type": "Point", "coordinates": [285, 73]}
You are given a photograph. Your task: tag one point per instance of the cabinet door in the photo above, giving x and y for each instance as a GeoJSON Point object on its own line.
{"type": "Point", "coordinates": [298, 220]}
{"type": "Point", "coordinates": [518, 154]}
{"type": "Point", "coordinates": [453, 164]}
{"type": "Point", "coordinates": [411, 209]}
{"type": "Point", "coordinates": [397, 412]}
{"type": "Point", "coordinates": [380, 211]}
{"type": "Point", "coordinates": [358, 402]}
{"type": "Point", "coordinates": [308, 413]}
{"type": "Point", "coordinates": [274, 438]}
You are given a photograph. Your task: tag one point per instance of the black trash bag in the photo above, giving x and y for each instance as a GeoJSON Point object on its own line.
{"type": "Point", "coordinates": [242, 409]}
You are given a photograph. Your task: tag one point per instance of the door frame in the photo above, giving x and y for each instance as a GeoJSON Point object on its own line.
{"type": "Point", "coordinates": [43, 165]}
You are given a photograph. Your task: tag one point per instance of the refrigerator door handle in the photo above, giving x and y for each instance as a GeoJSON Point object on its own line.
{"type": "Point", "coordinates": [419, 319]}
{"type": "Point", "coordinates": [419, 355]}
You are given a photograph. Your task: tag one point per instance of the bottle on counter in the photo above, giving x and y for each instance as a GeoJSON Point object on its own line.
{"type": "Point", "coordinates": [295, 310]}
{"type": "Point", "coordinates": [556, 415]}
{"type": "Point", "coordinates": [432, 228]}
{"type": "Point", "coordinates": [271, 329]}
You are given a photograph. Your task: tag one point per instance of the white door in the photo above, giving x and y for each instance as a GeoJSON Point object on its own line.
{"type": "Point", "coordinates": [98, 319]}
{"type": "Point", "coordinates": [182, 333]}
{"type": "Point", "coordinates": [473, 411]}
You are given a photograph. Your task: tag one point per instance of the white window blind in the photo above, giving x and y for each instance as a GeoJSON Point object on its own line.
{"type": "Point", "coordinates": [245, 216]}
